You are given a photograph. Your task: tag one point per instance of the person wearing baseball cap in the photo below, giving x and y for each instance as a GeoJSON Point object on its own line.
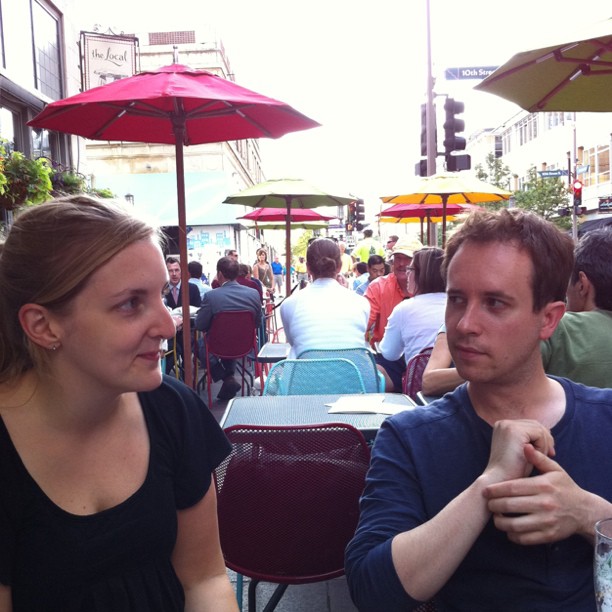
{"type": "Point", "coordinates": [386, 292]}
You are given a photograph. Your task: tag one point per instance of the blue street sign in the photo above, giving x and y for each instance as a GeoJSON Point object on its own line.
{"type": "Point", "coordinates": [552, 173]}
{"type": "Point", "coordinates": [471, 72]}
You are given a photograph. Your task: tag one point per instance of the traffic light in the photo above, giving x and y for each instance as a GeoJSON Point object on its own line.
{"type": "Point", "coordinates": [359, 214]}
{"type": "Point", "coordinates": [453, 126]}
{"type": "Point", "coordinates": [452, 141]}
{"type": "Point", "coordinates": [420, 168]}
{"type": "Point", "coordinates": [577, 188]}
{"type": "Point", "coordinates": [351, 214]}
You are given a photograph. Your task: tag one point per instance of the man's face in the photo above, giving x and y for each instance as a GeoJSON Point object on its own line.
{"type": "Point", "coordinates": [493, 334]}
{"type": "Point", "coordinates": [391, 243]}
{"type": "Point", "coordinates": [376, 270]}
{"type": "Point", "coordinates": [174, 273]}
{"type": "Point", "coordinates": [401, 263]}
{"type": "Point", "coordinates": [233, 255]}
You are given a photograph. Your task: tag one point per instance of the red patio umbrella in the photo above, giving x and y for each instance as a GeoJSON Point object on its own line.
{"type": "Point", "coordinates": [433, 213]}
{"type": "Point", "coordinates": [268, 215]}
{"type": "Point", "coordinates": [425, 211]}
{"type": "Point", "coordinates": [173, 105]}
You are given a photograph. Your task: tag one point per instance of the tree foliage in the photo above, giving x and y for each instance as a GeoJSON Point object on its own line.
{"type": "Point", "coordinates": [495, 173]}
{"type": "Point", "coordinates": [301, 244]}
{"type": "Point", "coordinates": [545, 197]}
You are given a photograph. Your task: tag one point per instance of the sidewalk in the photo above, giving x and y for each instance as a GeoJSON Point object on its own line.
{"type": "Point", "coordinates": [329, 596]}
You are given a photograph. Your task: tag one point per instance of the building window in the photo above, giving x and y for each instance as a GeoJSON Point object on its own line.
{"type": "Point", "coordinates": [47, 50]}
{"type": "Point", "coordinates": [527, 129]}
{"type": "Point", "coordinates": [603, 164]}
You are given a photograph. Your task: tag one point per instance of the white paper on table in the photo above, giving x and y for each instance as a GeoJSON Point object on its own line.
{"type": "Point", "coordinates": [369, 403]}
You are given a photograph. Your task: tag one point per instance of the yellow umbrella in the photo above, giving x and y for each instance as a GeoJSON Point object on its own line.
{"type": "Point", "coordinates": [448, 188]}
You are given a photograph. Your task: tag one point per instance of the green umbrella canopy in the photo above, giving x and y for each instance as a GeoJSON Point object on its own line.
{"type": "Point", "coordinates": [289, 194]}
{"type": "Point", "coordinates": [568, 74]}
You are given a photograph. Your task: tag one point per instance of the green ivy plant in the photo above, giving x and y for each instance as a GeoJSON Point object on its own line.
{"type": "Point", "coordinates": [23, 181]}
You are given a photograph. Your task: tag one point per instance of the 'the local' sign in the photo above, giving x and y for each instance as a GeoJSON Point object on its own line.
{"type": "Point", "coordinates": [472, 72]}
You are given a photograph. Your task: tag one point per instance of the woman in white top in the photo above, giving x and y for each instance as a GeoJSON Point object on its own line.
{"type": "Point", "coordinates": [324, 314]}
{"type": "Point", "coordinates": [415, 322]}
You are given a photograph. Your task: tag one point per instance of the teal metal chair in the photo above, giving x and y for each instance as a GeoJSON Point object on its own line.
{"type": "Point", "coordinates": [362, 357]}
{"type": "Point", "coordinates": [314, 377]}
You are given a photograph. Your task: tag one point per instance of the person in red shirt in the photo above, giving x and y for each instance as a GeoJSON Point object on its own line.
{"type": "Point", "coordinates": [386, 292]}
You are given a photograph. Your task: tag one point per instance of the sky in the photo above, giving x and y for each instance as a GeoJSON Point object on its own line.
{"type": "Point", "coordinates": [359, 69]}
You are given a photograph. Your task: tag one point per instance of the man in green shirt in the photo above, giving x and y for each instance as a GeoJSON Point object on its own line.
{"type": "Point", "coordinates": [367, 247]}
{"type": "Point", "coordinates": [581, 346]}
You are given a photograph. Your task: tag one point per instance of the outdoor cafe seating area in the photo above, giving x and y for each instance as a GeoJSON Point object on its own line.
{"type": "Point", "coordinates": [302, 426]}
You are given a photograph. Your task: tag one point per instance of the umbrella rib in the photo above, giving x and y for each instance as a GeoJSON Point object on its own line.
{"type": "Point", "coordinates": [131, 109]}
{"type": "Point", "coordinates": [558, 56]}
{"type": "Point", "coordinates": [231, 109]}
{"type": "Point", "coordinates": [583, 70]}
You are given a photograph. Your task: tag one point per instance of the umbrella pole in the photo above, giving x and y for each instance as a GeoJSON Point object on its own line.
{"type": "Point", "coordinates": [179, 131]}
{"type": "Point", "coordinates": [444, 200]}
{"type": "Point", "coordinates": [288, 248]}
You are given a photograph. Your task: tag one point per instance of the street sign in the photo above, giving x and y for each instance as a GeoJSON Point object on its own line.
{"type": "Point", "coordinates": [605, 204]}
{"type": "Point", "coordinates": [470, 72]}
{"type": "Point", "coordinates": [582, 169]}
{"type": "Point", "coordinates": [552, 173]}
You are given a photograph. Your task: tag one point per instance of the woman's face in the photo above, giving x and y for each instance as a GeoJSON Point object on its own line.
{"type": "Point", "coordinates": [262, 257]}
{"type": "Point", "coordinates": [112, 338]}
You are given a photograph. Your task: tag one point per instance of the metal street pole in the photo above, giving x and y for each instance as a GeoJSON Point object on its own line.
{"type": "Point", "coordinates": [430, 115]}
{"type": "Point", "coordinates": [432, 145]}
{"type": "Point", "coordinates": [574, 212]}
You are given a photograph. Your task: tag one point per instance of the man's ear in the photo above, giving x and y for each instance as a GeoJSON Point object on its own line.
{"type": "Point", "coordinates": [552, 314]}
{"type": "Point", "coordinates": [38, 326]}
{"type": "Point", "coordinates": [586, 289]}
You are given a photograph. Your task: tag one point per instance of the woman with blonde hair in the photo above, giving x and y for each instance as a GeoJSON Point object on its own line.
{"type": "Point", "coordinates": [106, 495]}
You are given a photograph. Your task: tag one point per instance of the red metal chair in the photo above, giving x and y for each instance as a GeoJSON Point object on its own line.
{"type": "Point", "coordinates": [232, 335]}
{"type": "Point", "coordinates": [412, 379]}
{"type": "Point", "coordinates": [288, 502]}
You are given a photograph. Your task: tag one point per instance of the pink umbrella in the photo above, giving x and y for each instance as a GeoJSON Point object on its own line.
{"type": "Point", "coordinates": [173, 105]}
{"type": "Point", "coordinates": [267, 215]}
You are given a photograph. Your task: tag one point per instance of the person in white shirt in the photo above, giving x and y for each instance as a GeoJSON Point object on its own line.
{"type": "Point", "coordinates": [415, 322]}
{"type": "Point", "coordinates": [324, 314]}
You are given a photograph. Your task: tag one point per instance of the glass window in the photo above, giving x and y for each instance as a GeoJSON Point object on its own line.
{"type": "Point", "coordinates": [41, 145]}
{"type": "Point", "coordinates": [603, 164]}
{"type": "Point", "coordinates": [47, 50]}
{"type": "Point", "coordinates": [7, 127]}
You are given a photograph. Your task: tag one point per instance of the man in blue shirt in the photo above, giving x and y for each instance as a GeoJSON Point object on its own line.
{"type": "Point", "coordinates": [277, 272]}
{"type": "Point", "coordinates": [487, 498]}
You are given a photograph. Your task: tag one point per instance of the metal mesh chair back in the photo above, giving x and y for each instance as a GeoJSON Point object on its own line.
{"type": "Point", "coordinates": [313, 377]}
{"type": "Point", "coordinates": [288, 500]}
{"type": "Point", "coordinates": [413, 376]}
{"type": "Point", "coordinates": [231, 334]}
{"type": "Point", "coordinates": [362, 357]}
